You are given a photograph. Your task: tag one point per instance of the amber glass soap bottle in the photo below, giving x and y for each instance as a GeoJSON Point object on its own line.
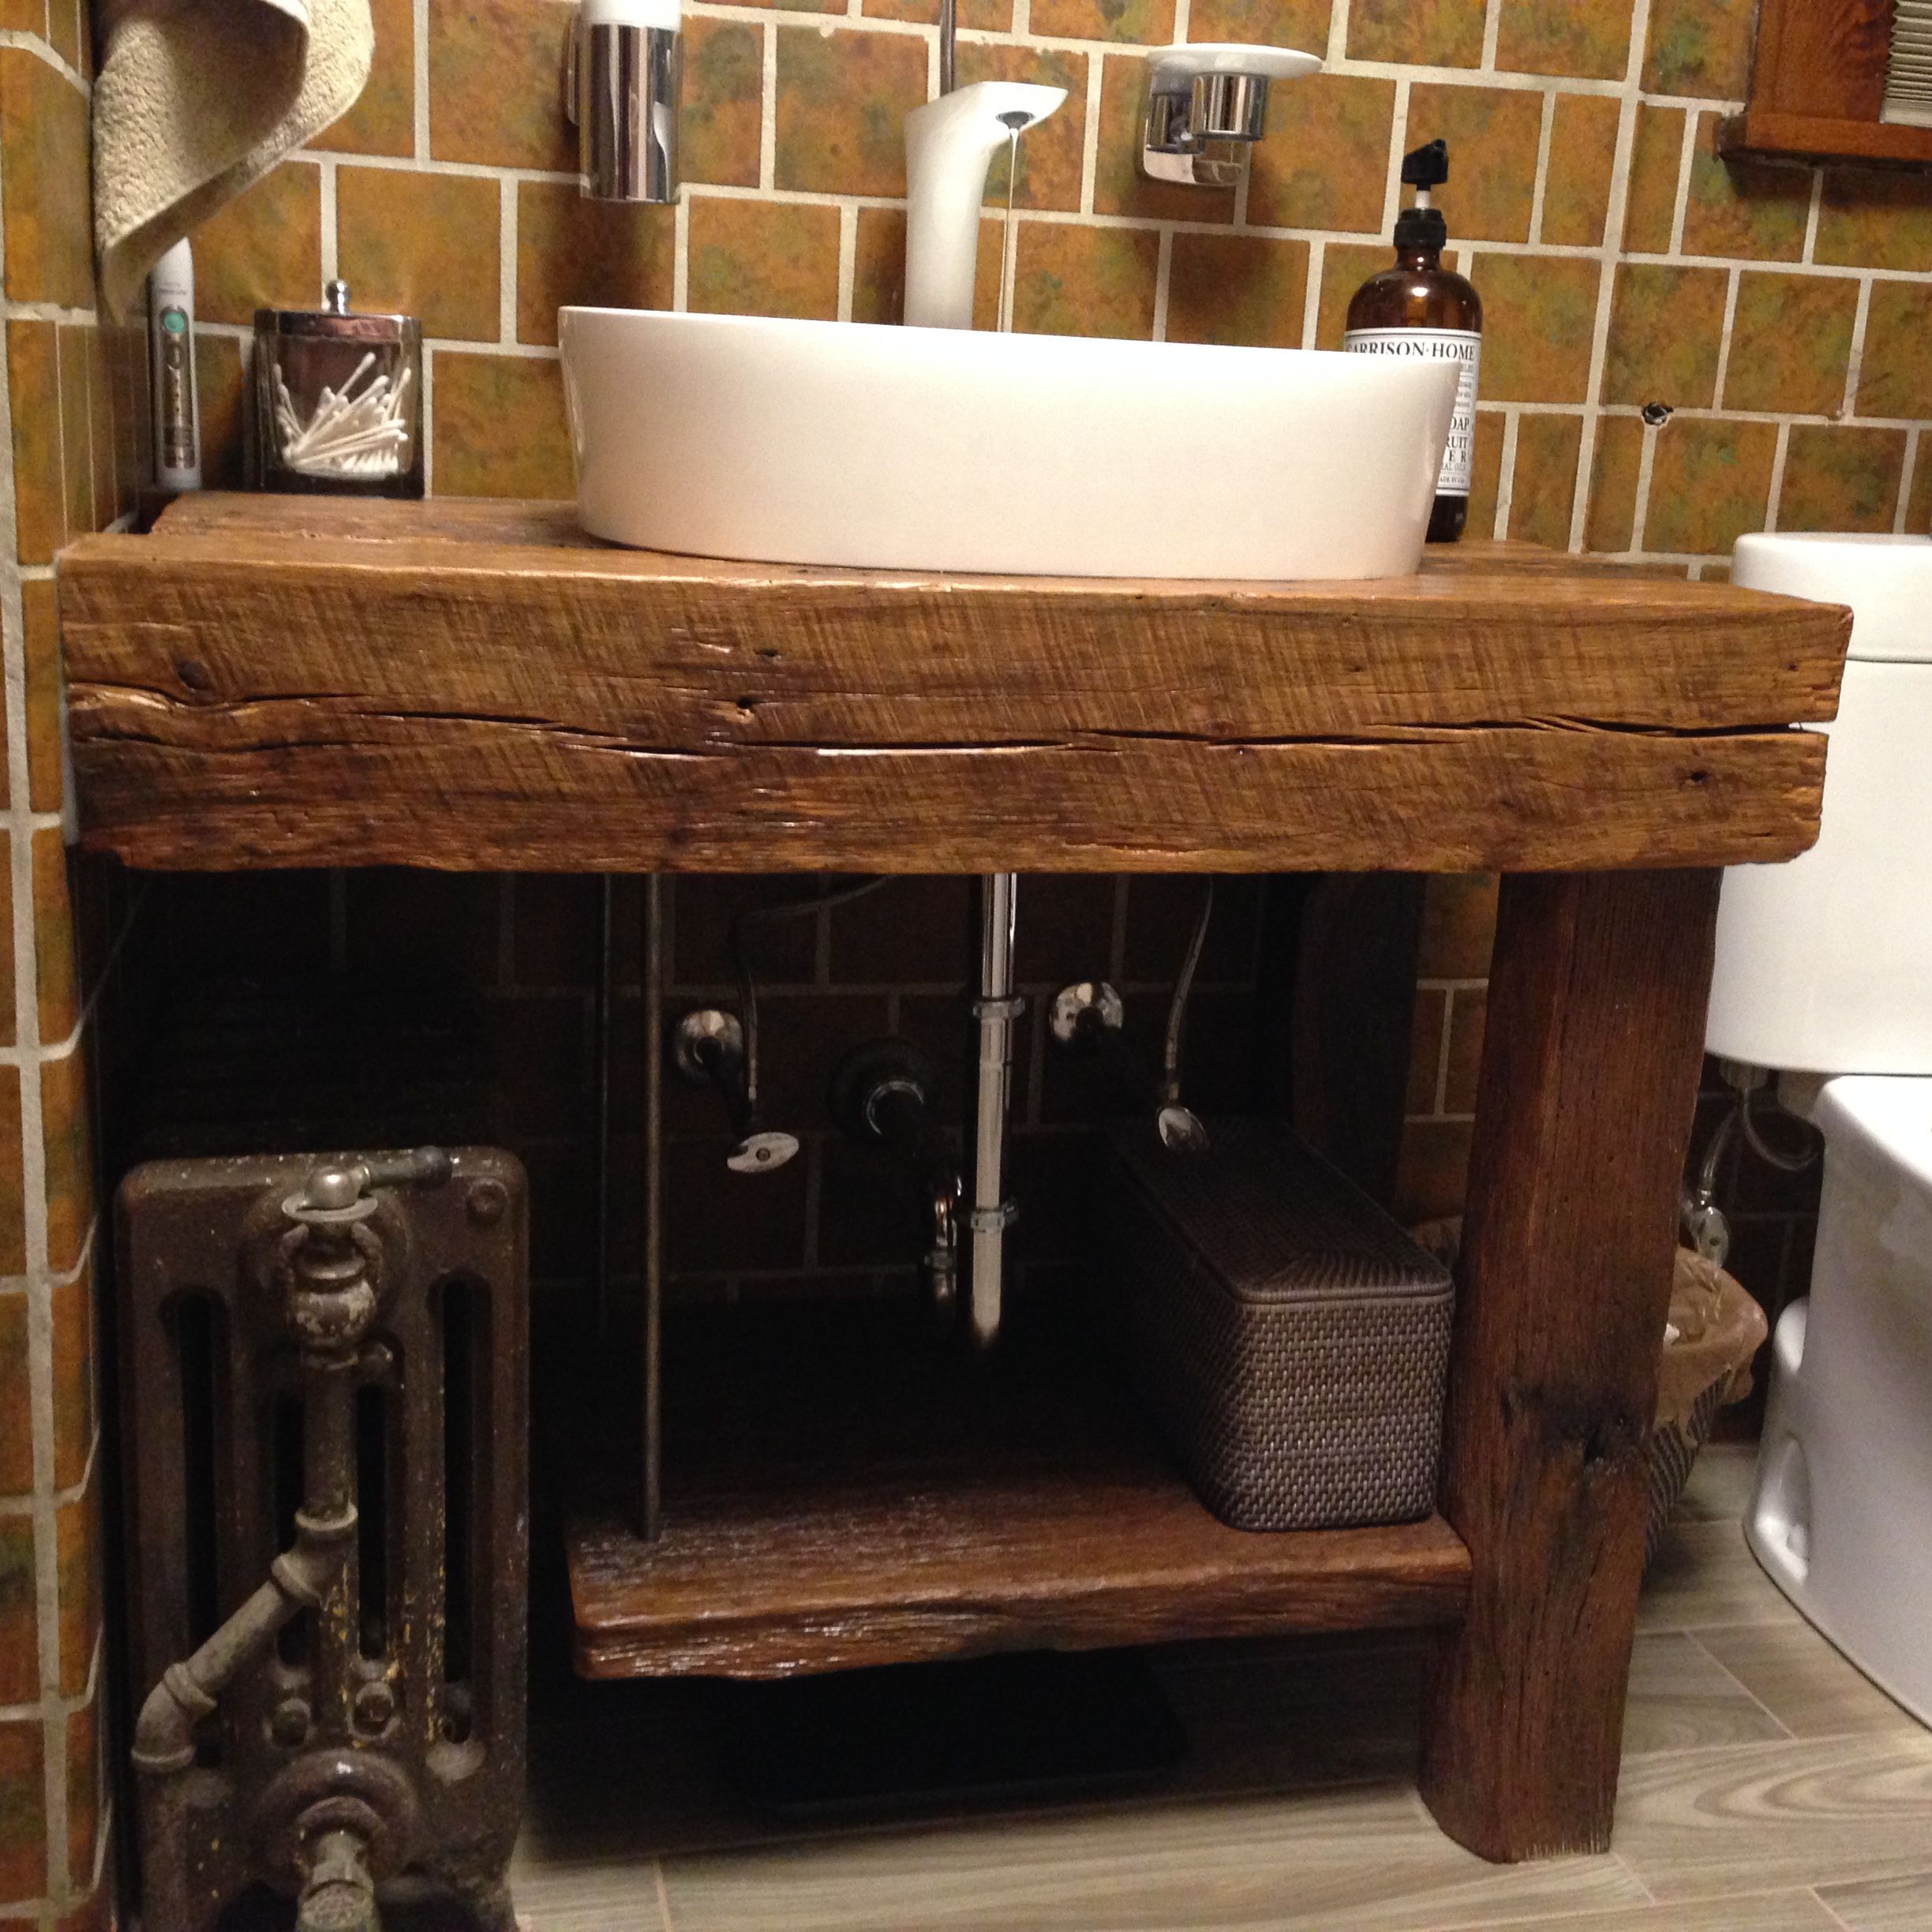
{"type": "Point", "coordinates": [1419, 308]}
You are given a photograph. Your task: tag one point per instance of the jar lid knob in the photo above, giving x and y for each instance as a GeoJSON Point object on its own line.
{"type": "Point", "coordinates": [336, 297]}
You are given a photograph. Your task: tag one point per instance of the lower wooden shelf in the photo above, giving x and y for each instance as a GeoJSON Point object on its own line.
{"type": "Point", "coordinates": [840, 1490]}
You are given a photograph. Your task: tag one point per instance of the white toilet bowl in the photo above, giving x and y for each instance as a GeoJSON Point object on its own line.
{"type": "Point", "coordinates": [1824, 966]}
{"type": "Point", "coordinates": [1841, 1517]}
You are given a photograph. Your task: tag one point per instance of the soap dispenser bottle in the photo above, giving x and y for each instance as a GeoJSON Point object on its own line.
{"type": "Point", "coordinates": [1419, 308]}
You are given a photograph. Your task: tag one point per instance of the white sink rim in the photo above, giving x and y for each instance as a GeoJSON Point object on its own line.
{"type": "Point", "coordinates": [866, 445]}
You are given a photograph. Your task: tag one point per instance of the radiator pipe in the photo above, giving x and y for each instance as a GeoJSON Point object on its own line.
{"type": "Point", "coordinates": [332, 1303]}
{"type": "Point", "coordinates": [995, 1009]}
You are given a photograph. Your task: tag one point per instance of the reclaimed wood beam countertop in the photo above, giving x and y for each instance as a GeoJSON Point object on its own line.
{"type": "Point", "coordinates": [282, 681]}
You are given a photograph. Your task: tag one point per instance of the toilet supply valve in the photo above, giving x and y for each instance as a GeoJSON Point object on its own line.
{"type": "Point", "coordinates": [708, 1049]}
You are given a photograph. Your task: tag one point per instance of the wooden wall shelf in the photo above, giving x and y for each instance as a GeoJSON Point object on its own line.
{"type": "Point", "coordinates": [842, 1489]}
{"type": "Point", "coordinates": [1819, 89]}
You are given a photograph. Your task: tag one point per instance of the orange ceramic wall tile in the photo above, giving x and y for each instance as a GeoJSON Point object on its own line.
{"type": "Point", "coordinates": [1433, 33]}
{"type": "Point", "coordinates": [1895, 376]}
{"type": "Point", "coordinates": [1790, 343]}
{"type": "Point", "coordinates": [424, 245]}
{"type": "Point", "coordinates": [1543, 481]}
{"type": "Point", "coordinates": [772, 258]}
{"type": "Point", "coordinates": [1583, 38]}
{"type": "Point", "coordinates": [43, 174]}
{"type": "Point", "coordinates": [1079, 281]}
{"type": "Point", "coordinates": [1232, 288]}
{"type": "Point", "coordinates": [1666, 335]}
{"type": "Point", "coordinates": [572, 250]}
{"type": "Point", "coordinates": [1324, 163]}
{"type": "Point", "coordinates": [264, 250]}
{"type": "Point", "coordinates": [1710, 483]}
{"type": "Point", "coordinates": [383, 122]}
{"type": "Point", "coordinates": [1840, 477]}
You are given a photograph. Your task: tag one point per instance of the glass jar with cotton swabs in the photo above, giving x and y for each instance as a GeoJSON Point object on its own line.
{"type": "Point", "coordinates": [338, 400]}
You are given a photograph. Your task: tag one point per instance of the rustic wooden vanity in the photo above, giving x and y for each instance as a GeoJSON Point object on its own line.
{"type": "Point", "coordinates": [274, 682]}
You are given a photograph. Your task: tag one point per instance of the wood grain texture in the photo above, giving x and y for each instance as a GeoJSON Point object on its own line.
{"type": "Point", "coordinates": [1767, 134]}
{"type": "Point", "coordinates": [1826, 58]}
{"type": "Point", "coordinates": [839, 1491]}
{"type": "Point", "coordinates": [1815, 1811]}
{"type": "Point", "coordinates": [1591, 1065]}
{"type": "Point", "coordinates": [290, 682]}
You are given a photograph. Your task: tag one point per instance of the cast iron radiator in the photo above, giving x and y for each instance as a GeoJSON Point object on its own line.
{"type": "Point", "coordinates": [323, 1371]}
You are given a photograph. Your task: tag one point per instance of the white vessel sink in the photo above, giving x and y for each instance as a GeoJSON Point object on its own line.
{"type": "Point", "coordinates": [917, 449]}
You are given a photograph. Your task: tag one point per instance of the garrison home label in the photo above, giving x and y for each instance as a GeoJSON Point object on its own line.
{"type": "Point", "coordinates": [1462, 346]}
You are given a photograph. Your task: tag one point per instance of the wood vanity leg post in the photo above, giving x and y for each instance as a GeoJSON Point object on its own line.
{"type": "Point", "coordinates": [1589, 1075]}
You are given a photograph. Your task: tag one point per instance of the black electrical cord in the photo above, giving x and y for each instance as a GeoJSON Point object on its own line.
{"type": "Point", "coordinates": [747, 983]}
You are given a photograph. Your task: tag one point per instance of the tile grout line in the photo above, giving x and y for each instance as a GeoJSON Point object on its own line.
{"type": "Point", "coordinates": [1733, 284]}
{"type": "Point", "coordinates": [1855, 366]}
{"type": "Point", "coordinates": [1901, 517]}
{"type": "Point", "coordinates": [1816, 1893]}
{"type": "Point", "coordinates": [768, 106]}
{"type": "Point", "coordinates": [1680, 199]}
{"type": "Point", "coordinates": [1608, 255]}
{"type": "Point", "coordinates": [1544, 134]}
{"type": "Point", "coordinates": [1646, 458]}
{"type": "Point", "coordinates": [1775, 498]}
{"type": "Point", "coordinates": [848, 261]}
{"type": "Point", "coordinates": [1506, 474]}
{"type": "Point", "coordinates": [1492, 30]}
{"type": "Point", "coordinates": [1790, 1735]}
{"type": "Point", "coordinates": [419, 78]}
{"type": "Point", "coordinates": [1398, 142]}
{"type": "Point", "coordinates": [1441, 1108]}
{"type": "Point", "coordinates": [1090, 138]}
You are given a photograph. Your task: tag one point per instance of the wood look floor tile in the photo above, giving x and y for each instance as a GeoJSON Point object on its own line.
{"type": "Point", "coordinates": [1361, 1860]}
{"type": "Point", "coordinates": [1814, 1811]}
{"type": "Point", "coordinates": [1781, 1911]}
{"type": "Point", "coordinates": [1719, 1487]}
{"type": "Point", "coordinates": [1810, 1688]}
{"type": "Point", "coordinates": [1704, 1575]}
{"type": "Point", "coordinates": [1882, 1905]}
{"type": "Point", "coordinates": [616, 1898]}
{"type": "Point", "coordinates": [1682, 1699]}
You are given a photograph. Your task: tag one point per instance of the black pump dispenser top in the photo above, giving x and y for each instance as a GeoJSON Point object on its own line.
{"type": "Point", "coordinates": [1422, 226]}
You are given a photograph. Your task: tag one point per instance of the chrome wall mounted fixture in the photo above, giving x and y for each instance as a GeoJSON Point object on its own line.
{"type": "Point", "coordinates": [880, 1097]}
{"type": "Point", "coordinates": [623, 88]}
{"type": "Point", "coordinates": [708, 1047]}
{"type": "Point", "coordinates": [1090, 1017]}
{"type": "Point", "coordinates": [1207, 107]}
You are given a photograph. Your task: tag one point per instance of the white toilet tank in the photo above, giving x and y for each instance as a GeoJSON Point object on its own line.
{"type": "Point", "coordinates": [1824, 963]}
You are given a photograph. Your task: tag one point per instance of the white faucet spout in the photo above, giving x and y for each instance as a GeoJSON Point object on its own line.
{"type": "Point", "coordinates": [950, 143]}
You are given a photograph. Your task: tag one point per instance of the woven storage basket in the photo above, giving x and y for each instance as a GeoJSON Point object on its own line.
{"type": "Point", "coordinates": [1291, 1340]}
{"type": "Point", "coordinates": [1715, 1328]}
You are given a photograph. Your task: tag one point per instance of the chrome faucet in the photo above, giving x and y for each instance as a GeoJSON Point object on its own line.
{"type": "Point", "coordinates": [621, 90]}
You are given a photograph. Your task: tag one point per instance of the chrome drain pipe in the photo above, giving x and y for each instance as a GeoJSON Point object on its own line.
{"type": "Point", "coordinates": [995, 1009]}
